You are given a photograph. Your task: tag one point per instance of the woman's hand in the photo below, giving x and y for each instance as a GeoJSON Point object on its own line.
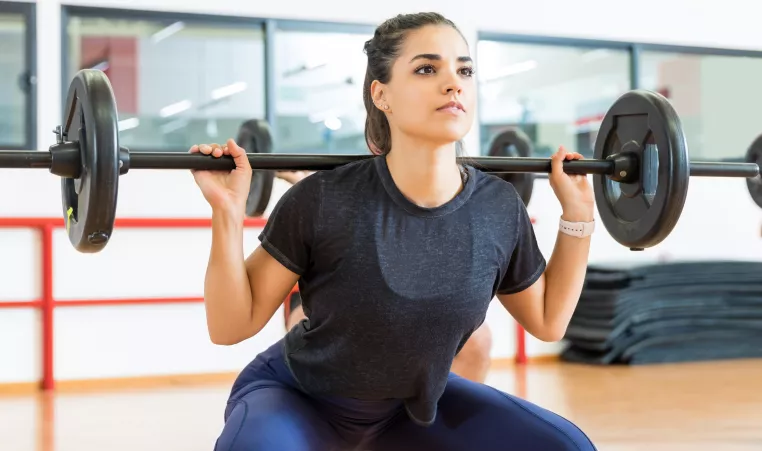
{"type": "Point", "coordinates": [225, 191]}
{"type": "Point", "coordinates": [292, 177]}
{"type": "Point", "coordinates": [573, 191]}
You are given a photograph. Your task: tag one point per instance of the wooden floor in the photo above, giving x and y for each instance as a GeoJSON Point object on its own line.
{"type": "Point", "coordinates": [713, 406]}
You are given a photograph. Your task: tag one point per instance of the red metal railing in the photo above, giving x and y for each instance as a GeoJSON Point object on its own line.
{"type": "Point", "coordinates": [47, 302]}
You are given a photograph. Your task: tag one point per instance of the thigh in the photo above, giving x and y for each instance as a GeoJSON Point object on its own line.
{"type": "Point", "coordinates": [274, 416]}
{"type": "Point", "coordinates": [475, 416]}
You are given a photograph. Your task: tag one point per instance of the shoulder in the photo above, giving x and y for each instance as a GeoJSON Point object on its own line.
{"type": "Point", "coordinates": [321, 186]}
{"type": "Point", "coordinates": [495, 192]}
{"type": "Point", "coordinates": [346, 173]}
{"type": "Point", "coordinates": [350, 173]}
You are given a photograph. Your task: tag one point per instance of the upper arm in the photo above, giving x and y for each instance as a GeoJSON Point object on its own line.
{"type": "Point", "coordinates": [527, 306]}
{"type": "Point", "coordinates": [285, 252]}
{"type": "Point", "coordinates": [271, 282]}
{"type": "Point", "coordinates": [522, 287]}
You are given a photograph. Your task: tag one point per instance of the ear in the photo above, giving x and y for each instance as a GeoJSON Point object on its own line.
{"type": "Point", "coordinates": [377, 94]}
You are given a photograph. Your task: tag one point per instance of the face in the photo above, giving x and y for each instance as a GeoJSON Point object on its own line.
{"type": "Point", "coordinates": [431, 94]}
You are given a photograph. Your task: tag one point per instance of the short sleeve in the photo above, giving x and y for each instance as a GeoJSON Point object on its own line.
{"type": "Point", "coordinates": [526, 263]}
{"type": "Point", "coordinates": [290, 230]}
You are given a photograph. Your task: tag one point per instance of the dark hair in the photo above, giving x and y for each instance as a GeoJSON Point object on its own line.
{"type": "Point", "coordinates": [382, 50]}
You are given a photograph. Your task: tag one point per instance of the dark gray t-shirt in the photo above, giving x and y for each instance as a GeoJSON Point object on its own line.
{"type": "Point", "coordinates": [393, 290]}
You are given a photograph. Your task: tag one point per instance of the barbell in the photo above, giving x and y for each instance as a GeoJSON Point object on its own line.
{"type": "Point", "coordinates": [640, 167]}
{"type": "Point", "coordinates": [512, 141]}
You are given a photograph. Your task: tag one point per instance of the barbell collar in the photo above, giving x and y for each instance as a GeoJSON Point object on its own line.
{"type": "Point", "coordinates": [66, 160]}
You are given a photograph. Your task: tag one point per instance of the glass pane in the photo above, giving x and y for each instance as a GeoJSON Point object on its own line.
{"type": "Point", "coordinates": [176, 83]}
{"type": "Point", "coordinates": [716, 97]}
{"type": "Point", "coordinates": [13, 81]}
{"type": "Point", "coordinates": [557, 95]}
{"type": "Point", "coordinates": [319, 92]}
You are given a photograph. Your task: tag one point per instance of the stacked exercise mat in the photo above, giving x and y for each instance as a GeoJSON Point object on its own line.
{"type": "Point", "coordinates": [668, 312]}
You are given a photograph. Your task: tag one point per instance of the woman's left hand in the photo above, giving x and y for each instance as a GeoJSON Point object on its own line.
{"type": "Point", "coordinates": [573, 191]}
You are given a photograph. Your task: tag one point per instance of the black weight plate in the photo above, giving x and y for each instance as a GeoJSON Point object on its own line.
{"type": "Point", "coordinates": [754, 155]}
{"type": "Point", "coordinates": [513, 142]}
{"type": "Point", "coordinates": [89, 202]}
{"type": "Point", "coordinates": [255, 137]}
{"type": "Point", "coordinates": [641, 214]}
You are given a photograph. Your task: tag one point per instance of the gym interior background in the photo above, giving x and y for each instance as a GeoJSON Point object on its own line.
{"type": "Point", "coordinates": [192, 71]}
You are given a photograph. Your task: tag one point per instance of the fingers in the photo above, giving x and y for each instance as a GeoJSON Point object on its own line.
{"type": "Point", "coordinates": [209, 149]}
{"type": "Point", "coordinates": [557, 161]}
{"type": "Point", "coordinates": [575, 156]}
{"type": "Point", "coordinates": [213, 149]}
{"type": "Point", "coordinates": [239, 155]}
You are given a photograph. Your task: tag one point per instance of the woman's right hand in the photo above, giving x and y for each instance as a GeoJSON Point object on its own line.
{"type": "Point", "coordinates": [225, 191]}
{"type": "Point", "coordinates": [292, 177]}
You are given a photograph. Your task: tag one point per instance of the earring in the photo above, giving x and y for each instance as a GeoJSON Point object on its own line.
{"type": "Point", "coordinates": [386, 107]}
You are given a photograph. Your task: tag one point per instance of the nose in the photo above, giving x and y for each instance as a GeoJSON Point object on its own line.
{"type": "Point", "coordinates": [453, 83]}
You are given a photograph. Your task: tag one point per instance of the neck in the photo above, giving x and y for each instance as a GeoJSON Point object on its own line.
{"type": "Point", "coordinates": [428, 175]}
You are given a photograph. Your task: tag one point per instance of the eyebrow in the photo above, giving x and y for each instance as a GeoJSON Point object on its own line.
{"type": "Point", "coordinates": [434, 56]}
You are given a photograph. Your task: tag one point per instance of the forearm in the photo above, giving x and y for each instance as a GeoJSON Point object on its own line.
{"type": "Point", "coordinates": [227, 291]}
{"type": "Point", "coordinates": [564, 279]}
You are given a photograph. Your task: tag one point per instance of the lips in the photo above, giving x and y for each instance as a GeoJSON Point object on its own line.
{"type": "Point", "coordinates": [452, 105]}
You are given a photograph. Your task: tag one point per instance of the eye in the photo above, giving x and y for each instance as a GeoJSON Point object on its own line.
{"type": "Point", "coordinates": [467, 71]}
{"type": "Point", "coordinates": [427, 69]}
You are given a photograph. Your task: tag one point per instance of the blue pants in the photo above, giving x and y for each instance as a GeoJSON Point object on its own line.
{"type": "Point", "coordinates": [267, 410]}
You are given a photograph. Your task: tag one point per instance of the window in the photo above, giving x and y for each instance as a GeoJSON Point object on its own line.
{"type": "Point", "coordinates": [178, 79]}
{"type": "Point", "coordinates": [556, 94]}
{"type": "Point", "coordinates": [716, 97]}
{"type": "Point", "coordinates": [319, 76]}
{"type": "Point", "coordinates": [17, 94]}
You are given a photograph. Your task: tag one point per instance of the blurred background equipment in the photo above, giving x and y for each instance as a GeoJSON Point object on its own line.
{"type": "Point", "coordinates": [667, 312]}
{"type": "Point", "coordinates": [255, 137]}
{"type": "Point", "coordinates": [513, 142]}
{"type": "Point", "coordinates": [754, 155]}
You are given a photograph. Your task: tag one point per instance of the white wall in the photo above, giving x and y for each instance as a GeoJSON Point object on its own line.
{"type": "Point", "coordinates": [122, 341]}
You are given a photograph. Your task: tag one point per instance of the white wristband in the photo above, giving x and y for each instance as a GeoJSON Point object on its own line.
{"type": "Point", "coordinates": [578, 229]}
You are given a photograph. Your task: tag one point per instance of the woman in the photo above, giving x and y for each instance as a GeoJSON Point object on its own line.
{"type": "Point", "coordinates": [472, 362]}
{"type": "Point", "coordinates": [397, 258]}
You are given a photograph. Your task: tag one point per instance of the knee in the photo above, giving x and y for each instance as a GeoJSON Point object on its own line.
{"type": "Point", "coordinates": [228, 440]}
{"type": "Point", "coordinates": [479, 346]}
{"type": "Point", "coordinates": [249, 428]}
{"type": "Point", "coordinates": [574, 441]}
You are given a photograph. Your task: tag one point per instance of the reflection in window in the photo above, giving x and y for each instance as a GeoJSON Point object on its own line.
{"type": "Point", "coordinates": [14, 82]}
{"type": "Point", "coordinates": [557, 95]}
{"type": "Point", "coordinates": [319, 79]}
{"type": "Point", "coordinates": [717, 98]}
{"type": "Point", "coordinates": [176, 82]}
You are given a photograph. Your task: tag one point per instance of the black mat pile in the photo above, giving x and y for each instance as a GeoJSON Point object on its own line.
{"type": "Point", "coordinates": [668, 312]}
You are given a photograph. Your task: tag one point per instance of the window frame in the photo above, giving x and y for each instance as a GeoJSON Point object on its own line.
{"type": "Point", "coordinates": [561, 42]}
{"type": "Point", "coordinates": [634, 48]}
{"type": "Point", "coordinates": [263, 25]}
{"type": "Point", "coordinates": [296, 25]}
{"type": "Point", "coordinates": [28, 12]}
{"type": "Point", "coordinates": [269, 26]}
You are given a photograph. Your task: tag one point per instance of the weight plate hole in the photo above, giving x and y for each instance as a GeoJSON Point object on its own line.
{"type": "Point", "coordinates": [650, 171]}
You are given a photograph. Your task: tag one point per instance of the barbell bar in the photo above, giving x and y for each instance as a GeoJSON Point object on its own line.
{"type": "Point", "coordinates": [640, 165]}
{"type": "Point", "coordinates": [312, 162]}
